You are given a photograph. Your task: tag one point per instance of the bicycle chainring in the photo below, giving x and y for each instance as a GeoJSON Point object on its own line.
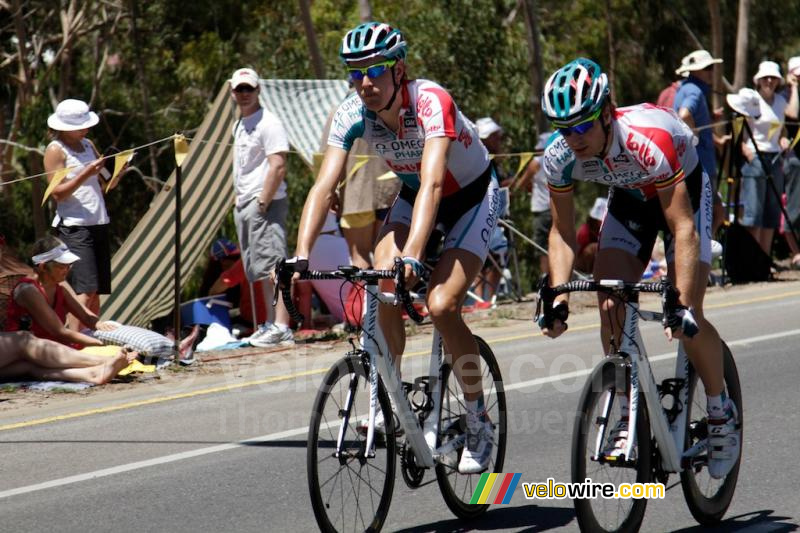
{"type": "Point", "coordinates": [412, 474]}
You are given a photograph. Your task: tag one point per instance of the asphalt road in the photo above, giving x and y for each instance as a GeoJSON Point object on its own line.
{"type": "Point", "coordinates": [171, 459]}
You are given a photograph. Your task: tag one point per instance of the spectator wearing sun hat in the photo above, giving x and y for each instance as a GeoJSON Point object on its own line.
{"type": "Point", "coordinates": [791, 164]}
{"type": "Point", "coordinates": [81, 219]}
{"type": "Point", "coordinates": [692, 105]}
{"type": "Point", "coordinates": [764, 110]}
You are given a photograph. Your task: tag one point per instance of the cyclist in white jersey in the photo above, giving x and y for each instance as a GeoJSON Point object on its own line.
{"type": "Point", "coordinates": [646, 155]}
{"type": "Point", "coordinates": [447, 180]}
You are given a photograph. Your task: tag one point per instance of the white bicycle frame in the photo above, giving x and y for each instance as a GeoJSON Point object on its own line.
{"type": "Point", "coordinates": [669, 436]}
{"type": "Point", "coordinates": [421, 439]}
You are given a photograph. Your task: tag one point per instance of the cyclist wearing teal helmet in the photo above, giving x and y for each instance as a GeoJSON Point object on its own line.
{"type": "Point", "coordinates": [647, 156]}
{"type": "Point", "coordinates": [448, 180]}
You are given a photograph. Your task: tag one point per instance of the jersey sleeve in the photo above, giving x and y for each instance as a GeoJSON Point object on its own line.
{"type": "Point", "coordinates": [347, 124]}
{"type": "Point", "coordinates": [437, 112]}
{"type": "Point", "coordinates": [558, 161]}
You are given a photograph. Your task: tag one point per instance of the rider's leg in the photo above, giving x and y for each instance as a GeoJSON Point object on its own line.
{"type": "Point", "coordinates": [446, 291]}
{"type": "Point", "coordinates": [705, 348]}
{"type": "Point", "coordinates": [614, 263]}
{"type": "Point", "coordinates": [390, 318]}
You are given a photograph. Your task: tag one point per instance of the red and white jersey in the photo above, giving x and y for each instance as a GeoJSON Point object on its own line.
{"type": "Point", "coordinates": [650, 149]}
{"type": "Point", "coordinates": [428, 111]}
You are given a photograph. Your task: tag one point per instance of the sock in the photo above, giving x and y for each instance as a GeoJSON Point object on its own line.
{"type": "Point", "coordinates": [477, 408]}
{"type": "Point", "coordinates": [282, 327]}
{"type": "Point", "coordinates": [716, 405]}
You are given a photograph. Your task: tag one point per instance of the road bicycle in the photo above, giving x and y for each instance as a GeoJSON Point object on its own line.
{"type": "Point", "coordinates": [667, 423]}
{"type": "Point", "coordinates": [351, 464]}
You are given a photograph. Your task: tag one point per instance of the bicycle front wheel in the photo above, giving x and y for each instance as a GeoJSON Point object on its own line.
{"type": "Point", "coordinates": [351, 487]}
{"type": "Point", "coordinates": [598, 415]}
{"type": "Point", "coordinates": [709, 498]}
{"type": "Point", "coordinates": [457, 489]}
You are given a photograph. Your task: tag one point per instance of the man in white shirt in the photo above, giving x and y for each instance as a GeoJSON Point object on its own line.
{"type": "Point", "coordinates": [259, 168]}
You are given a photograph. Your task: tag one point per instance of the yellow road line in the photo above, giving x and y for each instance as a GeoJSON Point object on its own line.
{"type": "Point", "coordinates": [275, 379]}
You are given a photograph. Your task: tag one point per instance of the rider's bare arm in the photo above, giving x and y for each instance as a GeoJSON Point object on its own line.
{"type": "Point", "coordinates": [432, 173]}
{"type": "Point", "coordinates": [678, 213]}
{"type": "Point", "coordinates": [562, 241]}
{"type": "Point", "coordinates": [320, 198]}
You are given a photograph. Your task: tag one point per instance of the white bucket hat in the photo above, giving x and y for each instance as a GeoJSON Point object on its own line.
{"type": "Point", "coordinates": [697, 60]}
{"type": "Point", "coordinates": [794, 65]}
{"type": "Point", "coordinates": [245, 76]}
{"type": "Point", "coordinates": [746, 102]}
{"type": "Point", "coordinates": [768, 69]}
{"type": "Point", "coordinates": [72, 115]}
{"type": "Point", "coordinates": [487, 126]}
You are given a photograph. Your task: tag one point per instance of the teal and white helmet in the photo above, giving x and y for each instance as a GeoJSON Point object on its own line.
{"type": "Point", "coordinates": [372, 39]}
{"type": "Point", "coordinates": [574, 92]}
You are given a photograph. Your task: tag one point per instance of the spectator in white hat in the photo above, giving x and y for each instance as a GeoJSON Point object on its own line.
{"type": "Point", "coordinates": [791, 165]}
{"type": "Point", "coordinates": [81, 219]}
{"type": "Point", "coordinates": [692, 105]}
{"type": "Point", "coordinates": [762, 207]}
{"type": "Point", "coordinates": [491, 135]}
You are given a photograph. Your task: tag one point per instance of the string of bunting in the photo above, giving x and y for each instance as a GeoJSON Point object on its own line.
{"type": "Point", "coordinates": [181, 150]}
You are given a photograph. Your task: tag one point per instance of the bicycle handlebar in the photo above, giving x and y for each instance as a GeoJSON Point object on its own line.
{"type": "Point", "coordinates": [346, 273]}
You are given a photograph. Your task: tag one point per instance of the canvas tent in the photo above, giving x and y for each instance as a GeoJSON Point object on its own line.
{"type": "Point", "coordinates": [143, 268]}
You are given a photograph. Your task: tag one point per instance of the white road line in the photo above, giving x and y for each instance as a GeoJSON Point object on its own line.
{"type": "Point", "coordinates": [304, 430]}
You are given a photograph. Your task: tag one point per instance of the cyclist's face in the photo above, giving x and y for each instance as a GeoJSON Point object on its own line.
{"type": "Point", "coordinates": [591, 142]}
{"type": "Point", "coordinates": [375, 92]}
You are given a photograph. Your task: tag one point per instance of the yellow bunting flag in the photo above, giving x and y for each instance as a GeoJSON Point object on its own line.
{"type": "Point", "coordinates": [491, 156]}
{"type": "Point", "coordinates": [58, 177]}
{"type": "Point", "coordinates": [317, 162]}
{"type": "Point", "coordinates": [120, 160]}
{"type": "Point", "coordinates": [738, 123]}
{"type": "Point", "coordinates": [796, 138]}
{"type": "Point", "coordinates": [385, 177]}
{"type": "Point", "coordinates": [181, 148]}
{"type": "Point", "coordinates": [773, 127]}
{"type": "Point", "coordinates": [361, 160]}
{"type": "Point", "coordinates": [524, 159]}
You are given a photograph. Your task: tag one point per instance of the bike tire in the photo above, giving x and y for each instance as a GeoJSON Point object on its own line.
{"type": "Point", "coordinates": [457, 489]}
{"type": "Point", "coordinates": [343, 495]}
{"type": "Point", "coordinates": [600, 514]}
{"type": "Point", "coordinates": [709, 506]}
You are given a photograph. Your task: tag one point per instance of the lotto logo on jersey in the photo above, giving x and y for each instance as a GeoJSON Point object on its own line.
{"type": "Point", "coordinates": [424, 108]}
{"type": "Point", "coordinates": [642, 149]}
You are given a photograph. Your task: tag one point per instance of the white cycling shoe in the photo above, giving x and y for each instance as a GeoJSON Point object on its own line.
{"type": "Point", "coordinates": [724, 442]}
{"type": "Point", "coordinates": [478, 450]}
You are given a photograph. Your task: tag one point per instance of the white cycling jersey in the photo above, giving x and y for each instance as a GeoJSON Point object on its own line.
{"type": "Point", "coordinates": [428, 111]}
{"type": "Point", "coordinates": [650, 149]}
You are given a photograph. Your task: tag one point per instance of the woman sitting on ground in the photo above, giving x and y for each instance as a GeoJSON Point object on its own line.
{"type": "Point", "coordinates": [40, 303]}
{"type": "Point", "coordinates": [22, 355]}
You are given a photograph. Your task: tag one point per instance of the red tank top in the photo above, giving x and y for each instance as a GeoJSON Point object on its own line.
{"type": "Point", "coordinates": [17, 314]}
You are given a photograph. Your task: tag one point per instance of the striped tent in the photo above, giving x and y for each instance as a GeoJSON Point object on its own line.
{"type": "Point", "coordinates": [143, 268]}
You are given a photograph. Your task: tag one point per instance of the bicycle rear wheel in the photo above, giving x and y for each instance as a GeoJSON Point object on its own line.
{"type": "Point", "coordinates": [350, 490]}
{"type": "Point", "coordinates": [457, 489]}
{"type": "Point", "coordinates": [709, 498]}
{"type": "Point", "coordinates": [598, 405]}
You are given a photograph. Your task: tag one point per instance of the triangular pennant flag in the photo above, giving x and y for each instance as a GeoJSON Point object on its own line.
{"type": "Point", "coordinates": [773, 127]}
{"type": "Point", "coordinates": [120, 160]}
{"type": "Point", "coordinates": [491, 156]}
{"type": "Point", "coordinates": [181, 148]}
{"type": "Point", "coordinates": [385, 177]}
{"type": "Point", "coordinates": [361, 160]}
{"type": "Point", "coordinates": [796, 138]}
{"type": "Point", "coordinates": [524, 159]}
{"type": "Point", "coordinates": [738, 122]}
{"type": "Point", "coordinates": [57, 178]}
{"type": "Point", "coordinates": [316, 162]}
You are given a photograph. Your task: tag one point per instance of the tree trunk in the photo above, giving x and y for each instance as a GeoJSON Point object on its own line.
{"type": "Point", "coordinates": [535, 68]}
{"type": "Point", "coordinates": [612, 55]}
{"type": "Point", "coordinates": [311, 37]}
{"type": "Point", "coordinates": [740, 73]}
{"type": "Point", "coordinates": [145, 95]}
{"type": "Point", "coordinates": [364, 10]}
